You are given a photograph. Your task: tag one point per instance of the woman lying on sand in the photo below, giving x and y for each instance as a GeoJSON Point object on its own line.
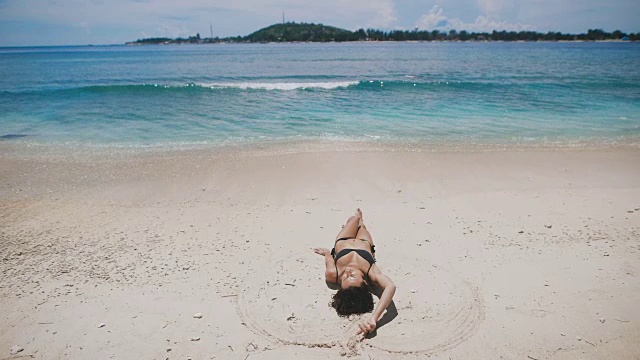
{"type": "Point", "coordinates": [351, 264]}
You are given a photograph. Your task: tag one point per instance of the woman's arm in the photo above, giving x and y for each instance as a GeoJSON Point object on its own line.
{"type": "Point", "coordinates": [330, 273]}
{"type": "Point", "coordinates": [388, 290]}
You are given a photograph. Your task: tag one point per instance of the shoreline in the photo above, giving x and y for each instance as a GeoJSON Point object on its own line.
{"type": "Point", "coordinates": [21, 148]}
{"type": "Point", "coordinates": [89, 164]}
{"type": "Point", "coordinates": [313, 42]}
{"type": "Point", "coordinates": [132, 43]}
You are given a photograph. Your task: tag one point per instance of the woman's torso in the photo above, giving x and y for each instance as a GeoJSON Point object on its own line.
{"type": "Point", "coordinates": [353, 259]}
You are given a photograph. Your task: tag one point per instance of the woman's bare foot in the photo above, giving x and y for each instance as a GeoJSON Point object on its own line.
{"type": "Point", "coordinates": [359, 216]}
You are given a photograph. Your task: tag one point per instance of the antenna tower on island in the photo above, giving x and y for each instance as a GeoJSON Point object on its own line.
{"type": "Point", "coordinates": [282, 17]}
{"type": "Point", "coordinates": [211, 30]}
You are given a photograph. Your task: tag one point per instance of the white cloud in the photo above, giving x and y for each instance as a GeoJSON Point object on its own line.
{"type": "Point", "coordinates": [435, 19]}
{"type": "Point", "coordinates": [385, 13]}
{"type": "Point", "coordinates": [483, 23]}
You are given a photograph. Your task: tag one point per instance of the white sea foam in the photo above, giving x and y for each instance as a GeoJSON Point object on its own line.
{"type": "Point", "coordinates": [282, 86]}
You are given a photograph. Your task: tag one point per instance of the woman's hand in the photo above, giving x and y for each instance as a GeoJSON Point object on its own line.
{"type": "Point", "coordinates": [321, 251]}
{"type": "Point", "coordinates": [367, 326]}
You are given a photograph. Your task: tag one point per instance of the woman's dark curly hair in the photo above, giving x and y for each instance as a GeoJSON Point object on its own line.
{"type": "Point", "coordinates": [352, 300]}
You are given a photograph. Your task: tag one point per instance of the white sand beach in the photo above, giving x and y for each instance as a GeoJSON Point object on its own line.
{"type": "Point", "coordinates": [528, 254]}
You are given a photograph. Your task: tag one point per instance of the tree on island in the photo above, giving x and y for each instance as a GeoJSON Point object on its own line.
{"type": "Point", "coordinates": [309, 32]}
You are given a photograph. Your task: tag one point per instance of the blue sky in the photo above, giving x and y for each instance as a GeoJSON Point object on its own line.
{"type": "Point", "coordinates": [79, 22]}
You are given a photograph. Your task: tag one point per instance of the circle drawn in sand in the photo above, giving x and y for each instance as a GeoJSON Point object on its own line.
{"type": "Point", "coordinates": [436, 310]}
{"type": "Point", "coordinates": [289, 306]}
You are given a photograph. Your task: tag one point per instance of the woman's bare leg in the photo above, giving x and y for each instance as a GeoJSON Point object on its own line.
{"type": "Point", "coordinates": [350, 229]}
{"type": "Point", "coordinates": [363, 233]}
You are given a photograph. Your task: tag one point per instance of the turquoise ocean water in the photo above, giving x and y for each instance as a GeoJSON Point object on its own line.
{"type": "Point", "coordinates": [431, 93]}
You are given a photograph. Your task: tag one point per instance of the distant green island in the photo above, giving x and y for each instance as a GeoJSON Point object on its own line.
{"type": "Point", "coordinates": [309, 32]}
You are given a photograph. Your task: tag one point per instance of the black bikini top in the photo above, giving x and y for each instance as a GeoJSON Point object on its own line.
{"type": "Point", "coordinates": [363, 254]}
